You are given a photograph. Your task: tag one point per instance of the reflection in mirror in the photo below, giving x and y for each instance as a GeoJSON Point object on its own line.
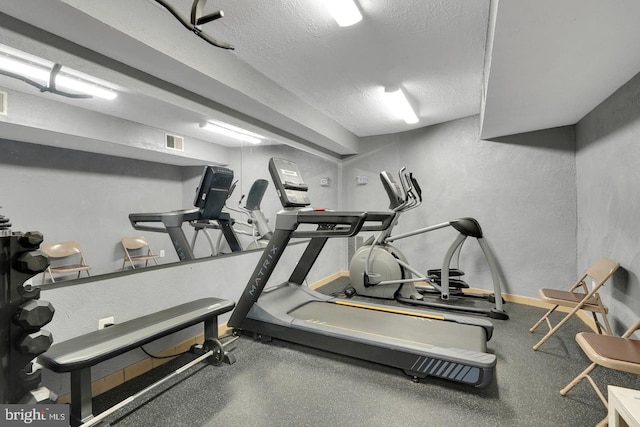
{"type": "Point", "coordinates": [87, 197]}
{"type": "Point", "coordinates": [253, 203]}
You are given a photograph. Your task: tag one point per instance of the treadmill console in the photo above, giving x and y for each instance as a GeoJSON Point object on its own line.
{"type": "Point", "coordinates": [290, 187]}
{"type": "Point", "coordinates": [212, 193]}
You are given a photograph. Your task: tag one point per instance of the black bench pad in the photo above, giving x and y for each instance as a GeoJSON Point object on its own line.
{"type": "Point", "coordinates": [90, 349]}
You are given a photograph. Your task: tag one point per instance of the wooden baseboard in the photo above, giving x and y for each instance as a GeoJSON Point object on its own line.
{"type": "Point", "coordinates": [329, 279]}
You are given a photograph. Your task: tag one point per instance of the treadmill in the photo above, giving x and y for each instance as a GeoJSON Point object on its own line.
{"type": "Point", "coordinates": [422, 343]}
{"type": "Point", "coordinates": [215, 186]}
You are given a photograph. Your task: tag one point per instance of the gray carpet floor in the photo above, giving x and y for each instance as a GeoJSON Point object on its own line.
{"type": "Point", "coordinates": [283, 384]}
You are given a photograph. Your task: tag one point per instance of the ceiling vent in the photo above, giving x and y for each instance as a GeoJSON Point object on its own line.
{"type": "Point", "coordinates": [3, 103]}
{"type": "Point", "coordinates": [174, 142]}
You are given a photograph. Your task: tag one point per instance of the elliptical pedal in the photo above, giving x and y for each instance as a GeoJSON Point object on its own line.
{"type": "Point", "coordinates": [453, 272]}
{"type": "Point", "coordinates": [454, 284]}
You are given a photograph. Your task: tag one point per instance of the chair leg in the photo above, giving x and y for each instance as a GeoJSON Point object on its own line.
{"type": "Point", "coordinates": [555, 328]}
{"type": "Point", "coordinates": [543, 318]}
{"type": "Point", "coordinates": [585, 374]}
{"type": "Point", "coordinates": [559, 325]}
{"type": "Point", "coordinates": [606, 323]}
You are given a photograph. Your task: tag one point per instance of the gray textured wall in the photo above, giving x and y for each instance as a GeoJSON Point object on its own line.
{"type": "Point", "coordinates": [608, 178]}
{"type": "Point", "coordinates": [521, 189]}
{"type": "Point", "coordinates": [74, 195]}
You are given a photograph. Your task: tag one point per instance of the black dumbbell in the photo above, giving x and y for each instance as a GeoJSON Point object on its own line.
{"type": "Point", "coordinates": [32, 262]}
{"type": "Point", "coordinates": [35, 343]}
{"type": "Point", "coordinates": [39, 395]}
{"type": "Point", "coordinates": [4, 223]}
{"type": "Point", "coordinates": [34, 314]}
{"type": "Point", "coordinates": [29, 291]}
{"type": "Point", "coordinates": [31, 238]}
{"type": "Point", "coordinates": [30, 380]}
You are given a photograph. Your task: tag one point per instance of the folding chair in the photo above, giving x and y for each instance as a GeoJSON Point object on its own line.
{"type": "Point", "coordinates": [70, 259]}
{"type": "Point", "coordinates": [584, 299]}
{"type": "Point", "coordinates": [619, 353]}
{"type": "Point", "coordinates": [134, 251]}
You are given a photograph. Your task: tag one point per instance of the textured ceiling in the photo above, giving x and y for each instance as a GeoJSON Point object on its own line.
{"type": "Point", "coordinates": [434, 49]}
{"type": "Point", "coordinates": [297, 76]}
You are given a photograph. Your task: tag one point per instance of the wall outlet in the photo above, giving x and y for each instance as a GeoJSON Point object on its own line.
{"type": "Point", "coordinates": [107, 321]}
{"type": "Point", "coordinates": [324, 182]}
{"type": "Point", "coordinates": [362, 180]}
{"type": "Point", "coordinates": [161, 253]}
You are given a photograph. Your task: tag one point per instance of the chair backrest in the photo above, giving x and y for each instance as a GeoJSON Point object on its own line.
{"type": "Point", "coordinates": [602, 269]}
{"type": "Point", "coordinates": [134, 243]}
{"type": "Point", "coordinates": [61, 250]}
{"type": "Point", "coordinates": [632, 329]}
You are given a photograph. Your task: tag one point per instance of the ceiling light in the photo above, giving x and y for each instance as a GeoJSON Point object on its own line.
{"type": "Point", "coordinates": [48, 76]}
{"type": "Point", "coordinates": [233, 132]}
{"type": "Point", "coordinates": [399, 103]}
{"type": "Point", "coordinates": [84, 86]}
{"type": "Point", "coordinates": [345, 12]}
{"type": "Point", "coordinates": [31, 71]}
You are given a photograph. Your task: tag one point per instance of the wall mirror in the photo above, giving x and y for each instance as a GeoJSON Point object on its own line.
{"type": "Point", "coordinates": [79, 166]}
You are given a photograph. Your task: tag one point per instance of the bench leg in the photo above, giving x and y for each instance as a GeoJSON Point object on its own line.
{"type": "Point", "coordinates": [211, 328]}
{"type": "Point", "coordinates": [211, 332]}
{"type": "Point", "coordinates": [81, 409]}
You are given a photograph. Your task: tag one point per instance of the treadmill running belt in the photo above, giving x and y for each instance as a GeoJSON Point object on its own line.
{"type": "Point", "coordinates": [418, 330]}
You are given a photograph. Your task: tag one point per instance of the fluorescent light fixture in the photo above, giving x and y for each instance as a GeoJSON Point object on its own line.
{"type": "Point", "coordinates": [38, 72]}
{"type": "Point", "coordinates": [32, 71]}
{"type": "Point", "coordinates": [399, 103]}
{"type": "Point", "coordinates": [345, 12]}
{"type": "Point", "coordinates": [233, 132]}
{"type": "Point", "coordinates": [83, 86]}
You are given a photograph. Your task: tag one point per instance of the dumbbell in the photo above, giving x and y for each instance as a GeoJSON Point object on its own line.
{"type": "Point", "coordinates": [39, 395]}
{"type": "Point", "coordinates": [35, 343]}
{"type": "Point", "coordinates": [31, 238]}
{"type": "Point", "coordinates": [4, 223]}
{"type": "Point", "coordinates": [32, 262]}
{"type": "Point", "coordinates": [34, 314]}
{"type": "Point", "coordinates": [29, 379]}
{"type": "Point", "coordinates": [29, 291]}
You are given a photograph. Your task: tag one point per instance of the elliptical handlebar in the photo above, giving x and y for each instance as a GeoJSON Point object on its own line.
{"type": "Point", "coordinates": [412, 194]}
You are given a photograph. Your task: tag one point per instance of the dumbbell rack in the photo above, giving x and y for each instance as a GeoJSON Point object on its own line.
{"type": "Point", "coordinates": [22, 314]}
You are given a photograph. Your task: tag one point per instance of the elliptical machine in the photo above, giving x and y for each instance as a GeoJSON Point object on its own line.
{"type": "Point", "coordinates": [380, 270]}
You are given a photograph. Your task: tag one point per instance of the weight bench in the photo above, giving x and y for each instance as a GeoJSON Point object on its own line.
{"type": "Point", "coordinates": [79, 354]}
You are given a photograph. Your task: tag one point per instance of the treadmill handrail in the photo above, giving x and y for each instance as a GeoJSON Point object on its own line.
{"type": "Point", "coordinates": [167, 219]}
{"type": "Point", "coordinates": [327, 220]}
{"type": "Point", "coordinates": [384, 218]}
